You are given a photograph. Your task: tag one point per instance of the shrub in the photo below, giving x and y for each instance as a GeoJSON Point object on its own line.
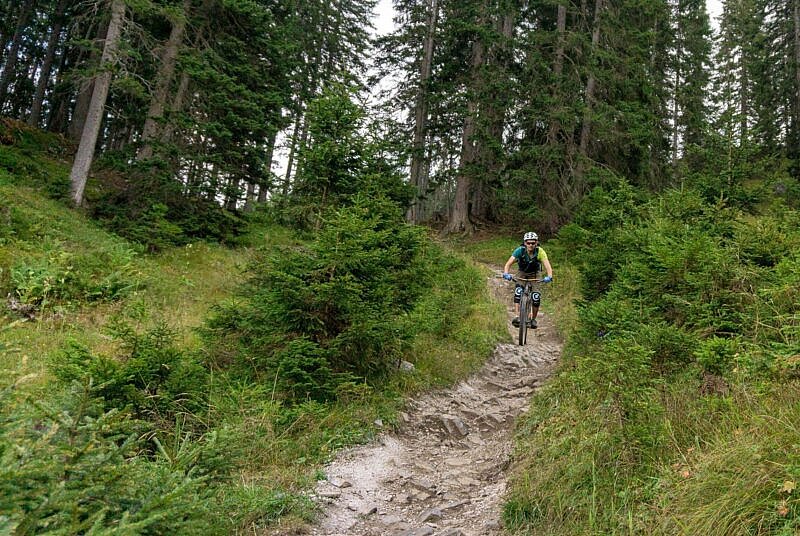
{"type": "Point", "coordinates": [312, 317]}
{"type": "Point", "coordinates": [150, 207]}
{"type": "Point", "coordinates": [151, 376]}
{"type": "Point", "coordinates": [68, 465]}
{"type": "Point", "coordinates": [717, 355]}
{"type": "Point", "coordinates": [687, 286]}
{"type": "Point", "coordinates": [60, 276]}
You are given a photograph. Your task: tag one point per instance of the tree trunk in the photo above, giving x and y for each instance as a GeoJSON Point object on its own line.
{"type": "Point", "coordinates": [459, 221]}
{"type": "Point", "coordinates": [420, 167]}
{"type": "Point", "coordinates": [176, 106]}
{"type": "Point", "coordinates": [86, 89]}
{"type": "Point", "coordinates": [250, 197]}
{"type": "Point", "coordinates": [744, 102]}
{"type": "Point", "coordinates": [44, 75]}
{"type": "Point", "coordinates": [558, 68]}
{"type": "Point", "coordinates": [9, 69]}
{"type": "Point", "coordinates": [796, 17]}
{"type": "Point", "coordinates": [59, 106]}
{"type": "Point", "coordinates": [166, 73]}
{"type": "Point", "coordinates": [263, 188]}
{"type": "Point", "coordinates": [85, 154]}
{"type": "Point", "coordinates": [299, 123]}
{"type": "Point", "coordinates": [5, 13]}
{"type": "Point", "coordinates": [495, 106]}
{"type": "Point", "coordinates": [232, 193]}
{"type": "Point", "coordinates": [591, 82]}
{"type": "Point", "coordinates": [675, 112]}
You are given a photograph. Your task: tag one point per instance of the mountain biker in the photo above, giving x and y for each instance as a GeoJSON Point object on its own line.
{"type": "Point", "coordinates": [530, 257]}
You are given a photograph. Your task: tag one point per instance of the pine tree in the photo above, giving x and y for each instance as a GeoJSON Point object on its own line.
{"type": "Point", "coordinates": [690, 65]}
{"type": "Point", "coordinates": [10, 66]}
{"type": "Point", "coordinates": [86, 148]}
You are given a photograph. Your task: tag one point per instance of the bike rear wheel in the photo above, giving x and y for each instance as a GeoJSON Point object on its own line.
{"type": "Point", "coordinates": [523, 318]}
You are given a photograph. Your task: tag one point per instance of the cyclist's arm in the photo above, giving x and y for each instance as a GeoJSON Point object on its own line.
{"type": "Point", "coordinates": [511, 260]}
{"type": "Point", "coordinates": [547, 267]}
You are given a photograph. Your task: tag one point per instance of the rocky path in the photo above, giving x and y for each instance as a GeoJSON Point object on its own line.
{"type": "Point", "coordinates": [443, 472]}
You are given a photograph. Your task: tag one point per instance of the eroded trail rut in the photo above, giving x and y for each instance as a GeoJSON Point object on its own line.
{"type": "Point", "coordinates": [443, 471]}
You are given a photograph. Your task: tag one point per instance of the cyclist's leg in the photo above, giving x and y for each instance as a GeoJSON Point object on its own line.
{"type": "Point", "coordinates": [536, 301]}
{"type": "Point", "coordinates": [517, 295]}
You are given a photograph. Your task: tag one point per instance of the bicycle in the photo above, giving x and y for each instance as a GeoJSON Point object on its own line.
{"type": "Point", "coordinates": [525, 308]}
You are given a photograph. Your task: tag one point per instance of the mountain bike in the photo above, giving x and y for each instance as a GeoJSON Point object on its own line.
{"type": "Point", "coordinates": [529, 295]}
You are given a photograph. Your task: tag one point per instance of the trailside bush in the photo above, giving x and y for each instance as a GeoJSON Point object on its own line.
{"type": "Point", "coordinates": [316, 316]}
{"type": "Point", "coordinates": [151, 376]}
{"type": "Point", "coordinates": [689, 304]}
{"type": "Point", "coordinates": [150, 207]}
{"type": "Point", "coordinates": [63, 276]}
{"type": "Point", "coordinates": [68, 465]}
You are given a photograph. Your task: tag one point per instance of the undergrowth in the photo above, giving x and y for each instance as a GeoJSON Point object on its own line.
{"type": "Point", "coordinates": [674, 410]}
{"type": "Point", "coordinates": [119, 413]}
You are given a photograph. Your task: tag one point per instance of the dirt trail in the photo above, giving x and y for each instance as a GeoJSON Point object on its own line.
{"type": "Point", "coordinates": [443, 472]}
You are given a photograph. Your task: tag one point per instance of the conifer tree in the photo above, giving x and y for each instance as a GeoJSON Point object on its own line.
{"type": "Point", "coordinates": [689, 62]}
{"type": "Point", "coordinates": [85, 154]}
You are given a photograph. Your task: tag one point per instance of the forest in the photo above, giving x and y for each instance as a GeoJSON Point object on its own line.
{"type": "Point", "coordinates": [223, 223]}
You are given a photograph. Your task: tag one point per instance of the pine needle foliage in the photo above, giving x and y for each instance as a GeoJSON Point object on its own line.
{"type": "Point", "coordinates": [675, 409]}
{"type": "Point", "coordinates": [150, 376]}
{"type": "Point", "coordinates": [69, 466]}
{"type": "Point", "coordinates": [316, 317]}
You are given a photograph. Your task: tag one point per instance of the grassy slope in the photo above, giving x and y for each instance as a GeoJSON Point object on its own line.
{"type": "Point", "coordinates": [689, 453]}
{"type": "Point", "coordinates": [87, 278]}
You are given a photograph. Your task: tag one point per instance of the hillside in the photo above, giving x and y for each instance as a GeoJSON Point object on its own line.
{"type": "Point", "coordinates": [187, 386]}
{"type": "Point", "coordinates": [125, 406]}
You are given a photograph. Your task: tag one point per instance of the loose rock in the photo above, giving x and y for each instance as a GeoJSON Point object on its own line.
{"type": "Point", "coordinates": [446, 461]}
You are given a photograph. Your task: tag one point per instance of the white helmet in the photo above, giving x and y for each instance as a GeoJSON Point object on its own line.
{"type": "Point", "coordinates": [530, 236]}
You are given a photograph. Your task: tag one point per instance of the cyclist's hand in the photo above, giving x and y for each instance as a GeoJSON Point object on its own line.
{"type": "Point", "coordinates": [547, 279]}
{"type": "Point", "coordinates": [507, 276]}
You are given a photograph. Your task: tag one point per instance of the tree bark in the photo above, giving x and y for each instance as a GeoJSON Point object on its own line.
{"type": "Point", "coordinates": [420, 167]}
{"type": "Point", "coordinates": [232, 193]}
{"type": "Point", "coordinates": [5, 13]}
{"type": "Point", "coordinates": [44, 75]}
{"type": "Point", "coordinates": [299, 123]}
{"type": "Point", "coordinates": [492, 110]}
{"type": "Point", "coordinates": [164, 77]}
{"type": "Point", "coordinates": [679, 47]}
{"type": "Point", "coordinates": [58, 114]}
{"type": "Point", "coordinates": [558, 68]}
{"type": "Point", "coordinates": [85, 154]}
{"type": "Point", "coordinates": [263, 188]}
{"type": "Point", "coordinates": [796, 20]}
{"type": "Point", "coordinates": [86, 88]}
{"type": "Point", "coordinates": [176, 106]}
{"type": "Point", "coordinates": [459, 221]}
{"type": "Point", "coordinates": [591, 82]}
{"type": "Point", "coordinates": [10, 67]}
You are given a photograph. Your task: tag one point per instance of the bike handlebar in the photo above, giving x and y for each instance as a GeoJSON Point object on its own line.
{"type": "Point", "coordinates": [522, 279]}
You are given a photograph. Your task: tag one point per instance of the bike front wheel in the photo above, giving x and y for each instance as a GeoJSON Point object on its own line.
{"type": "Point", "coordinates": [523, 318]}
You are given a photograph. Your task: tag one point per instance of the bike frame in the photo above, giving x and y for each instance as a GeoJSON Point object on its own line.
{"type": "Point", "coordinates": [525, 307]}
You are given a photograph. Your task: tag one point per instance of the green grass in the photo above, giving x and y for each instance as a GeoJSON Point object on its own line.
{"type": "Point", "coordinates": [468, 329]}
{"type": "Point", "coordinates": [675, 408]}
{"type": "Point", "coordinates": [83, 279]}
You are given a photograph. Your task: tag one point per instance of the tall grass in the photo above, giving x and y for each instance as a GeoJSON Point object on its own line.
{"type": "Point", "coordinates": [238, 460]}
{"type": "Point", "coordinates": [675, 408]}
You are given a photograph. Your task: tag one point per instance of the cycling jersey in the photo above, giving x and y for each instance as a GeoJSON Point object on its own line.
{"type": "Point", "coordinates": [529, 264]}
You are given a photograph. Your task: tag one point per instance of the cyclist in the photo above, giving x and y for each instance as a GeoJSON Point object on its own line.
{"type": "Point", "coordinates": [530, 257]}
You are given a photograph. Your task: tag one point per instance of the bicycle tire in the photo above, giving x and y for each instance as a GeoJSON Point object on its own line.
{"type": "Point", "coordinates": [523, 318]}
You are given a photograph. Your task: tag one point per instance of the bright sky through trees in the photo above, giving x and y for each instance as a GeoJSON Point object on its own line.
{"type": "Point", "coordinates": [384, 12]}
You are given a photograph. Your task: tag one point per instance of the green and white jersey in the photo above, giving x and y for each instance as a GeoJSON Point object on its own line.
{"type": "Point", "coordinates": [529, 264]}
